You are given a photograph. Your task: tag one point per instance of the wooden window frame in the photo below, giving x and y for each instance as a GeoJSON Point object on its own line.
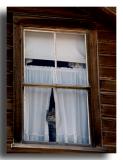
{"type": "Point", "coordinates": [19, 22]}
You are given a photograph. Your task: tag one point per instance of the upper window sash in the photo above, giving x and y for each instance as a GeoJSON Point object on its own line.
{"type": "Point", "coordinates": [54, 45]}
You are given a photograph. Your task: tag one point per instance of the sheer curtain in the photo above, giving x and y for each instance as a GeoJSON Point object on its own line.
{"type": "Point", "coordinates": [71, 107]}
{"type": "Point", "coordinates": [36, 104]}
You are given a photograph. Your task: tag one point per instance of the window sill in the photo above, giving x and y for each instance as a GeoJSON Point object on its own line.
{"type": "Point", "coordinates": [44, 148]}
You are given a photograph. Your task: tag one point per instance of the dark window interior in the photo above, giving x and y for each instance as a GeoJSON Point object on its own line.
{"type": "Point", "coordinates": [38, 62]}
{"type": "Point", "coordinates": [51, 119]}
{"type": "Point", "coordinates": [51, 63]}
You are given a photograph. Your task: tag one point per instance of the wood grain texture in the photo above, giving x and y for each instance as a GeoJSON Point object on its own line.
{"type": "Point", "coordinates": [9, 133]}
{"type": "Point", "coordinates": [17, 67]}
{"type": "Point", "coordinates": [9, 118]}
{"type": "Point", "coordinates": [107, 60]}
{"type": "Point", "coordinates": [108, 110]}
{"type": "Point", "coordinates": [35, 148]}
{"type": "Point", "coordinates": [107, 48]}
{"type": "Point", "coordinates": [95, 123]}
{"type": "Point", "coordinates": [106, 36]}
{"type": "Point", "coordinates": [109, 138]}
{"type": "Point", "coordinates": [108, 98]}
{"type": "Point", "coordinates": [9, 79]}
{"type": "Point", "coordinates": [9, 104]}
{"type": "Point", "coordinates": [108, 85]}
{"type": "Point", "coordinates": [108, 124]}
{"type": "Point", "coordinates": [110, 148]}
{"type": "Point", "coordinates": [108, 72]}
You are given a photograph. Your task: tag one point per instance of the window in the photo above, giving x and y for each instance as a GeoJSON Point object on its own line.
{"type": "Point", "coordinates": [77, 29]}
{"type": "Point", "coordinates": [56, 70]}
{"type": "Point", "coordinates": [55, 87]}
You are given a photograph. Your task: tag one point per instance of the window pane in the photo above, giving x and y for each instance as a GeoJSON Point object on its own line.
{"type": "Point", "coordinates": [55, 115]}
{"type": "Point", "coordinates": [38, 74]}
{"type": "Point", "coordinates": [36, 104]}
{"type": "Point", "coordinates": [71, 76]}
{"type": "Point", "coordinates": [51, 75]}
{"type": "Point", "coordinates": [69, 122]}
{"type": "Point", "coordinates": [39, 62]}
{"type": "Point", "coordinates": [72, 124]}
{"type": "Point", "coordinates": [39, 45]}
{"type": "Point", "coordinates": [70, 47]}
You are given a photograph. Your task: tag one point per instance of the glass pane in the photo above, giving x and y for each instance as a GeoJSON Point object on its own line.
{"type": "Point", "coordinates": [51, 75]}
{"type": "Point", "coordinates": [38, 74]}
{"type": "Point", "coordinates": [58, 115]}
{"type": "Point", "coordinates": [39, 62]}
{"type": "Point", "coordinates": [70, 47]}
{"type": "Point", "coordinates": [39, 45]}
{"type": "Point", "coordinates": [36, 105]}
{"type": "Point", "coordinates": [55, 115]}
{"type": "Point", "coordinates": [71, 76]}
{"type": "Point", "coordinates": [72, 123]}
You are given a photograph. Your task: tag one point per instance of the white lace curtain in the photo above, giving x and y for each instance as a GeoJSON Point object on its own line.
{"type": "Point", "coordinates": [72, 125]}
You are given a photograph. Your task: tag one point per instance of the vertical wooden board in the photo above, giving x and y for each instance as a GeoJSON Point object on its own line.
{"type": "Point", "coordinates": [94, 99]}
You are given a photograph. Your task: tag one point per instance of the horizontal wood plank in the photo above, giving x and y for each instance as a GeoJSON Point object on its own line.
{"type": "Point", "coordinates": [108, 111]}
{"type": "Point", "coordinates": [108, 124]}
{"type": "Point", "coordinates": [109, 138]}
{"type": "Point", "coordinates": [36, 148]}
{"type": "Point", "coordinates": [108, 98]}
{"type": "Point", "coordinates": [106, 36]}
{"type": "Point", "coordinates": [107, 60]}
{"type": "Point", "coordinates": [110, 148]}
{"type": "Point", "coordinates": [107, 85]}
{"type": "Point", "coordinates": [107, 72]}
{"type": "Point", "coordinates": [107, 48]}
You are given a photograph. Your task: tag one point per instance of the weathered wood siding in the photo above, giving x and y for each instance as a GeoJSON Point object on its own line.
{"type": "Point", "coordinates": [107, 81]}
{"type": "Point", "coordinates": [10, 106]}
